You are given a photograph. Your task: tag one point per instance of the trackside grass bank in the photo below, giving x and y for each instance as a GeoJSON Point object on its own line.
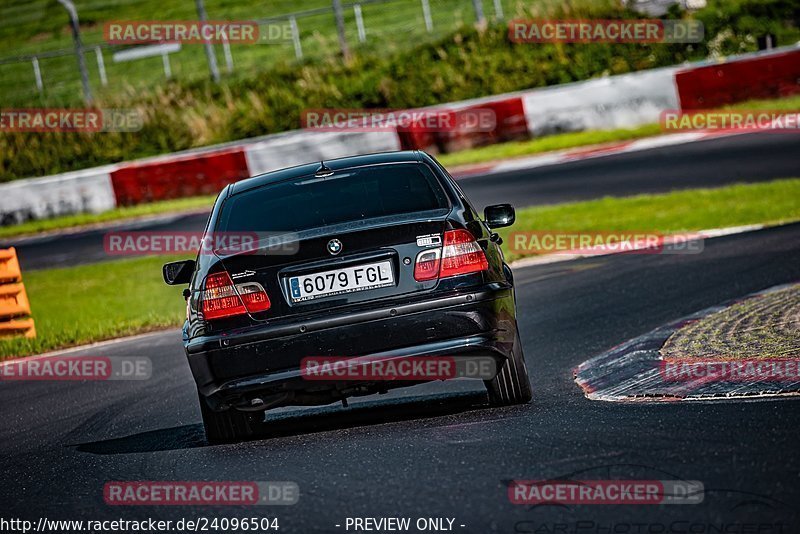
{"type": "Point", "coordinates": [87, 303]}
{"type": "Point", "coordinates": [77, 305]}
{"type": "Point", "coordinates": [404, 68]}
{"type": "Point", "coordinates": [465, 157]}
{"type": "Point", "coordinates": [474, 155]}
{"type": "Point", "coordinates": [773, 202]}
{"type": "Point", "coordinates": [176, 206]}
{"type": "Point", "coordinates": [567, 140]}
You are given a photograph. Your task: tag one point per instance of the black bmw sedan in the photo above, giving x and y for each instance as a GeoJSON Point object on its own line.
{"type": "Point", "coordinates": [377, 257]}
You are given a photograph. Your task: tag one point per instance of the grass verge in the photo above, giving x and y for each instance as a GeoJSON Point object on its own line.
{"type": "Point", "coordinates": [681, 211]}
{"type": "Point", "coordinates": [117, 214]}
{"type": "Point", "coordinates": [474, 155]}
{"type": "Point", "coordinates": [83, 304]}
{"type": "Point", "coordinates": [465, 157]}
{"type": "Point", "coordinates": [78, 305]}
{"type": "Point", "coordinates": [563, 141]}
{"type": "Point", "coordinates": [515, 149]}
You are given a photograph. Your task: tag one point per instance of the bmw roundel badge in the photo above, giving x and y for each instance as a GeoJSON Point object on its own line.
{"type": "Point", "coordinates": [334, 246]}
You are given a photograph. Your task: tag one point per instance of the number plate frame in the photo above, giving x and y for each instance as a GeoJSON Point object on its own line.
{"type": "Point", "coordinates": [367, 280]}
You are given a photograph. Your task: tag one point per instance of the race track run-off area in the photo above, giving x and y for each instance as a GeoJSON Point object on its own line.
{"type": "Point", "coordinates": [436, 450]}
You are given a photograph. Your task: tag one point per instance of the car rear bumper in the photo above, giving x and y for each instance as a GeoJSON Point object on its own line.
{"type": "Point", "coordinates": [260, 367]}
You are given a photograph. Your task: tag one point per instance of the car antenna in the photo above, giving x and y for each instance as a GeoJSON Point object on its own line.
{"type": "Point", "coordinates": [323, 171]}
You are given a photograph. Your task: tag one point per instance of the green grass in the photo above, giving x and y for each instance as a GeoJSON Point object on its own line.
{"type": "Point", "coordinates": [400, 66]}
{"type": "Point", "coordinates": [470, 156]}
{"type": "Point", "coordinates": [578, 139]}
{"type": "Point", "coordinates": [789, 103]}
{"type": "Point", "coordinates": [539, 145]}
{"type": "Point", "coordinates": [83, 304]}
{"type": "Point", "coordinates": [753, 329]}
{"type": "Point", "coordinates": [695, 209]}
{"type": "Point", "coordinates": [474, 155]}
{"type": "Point", "coordinates": [78, 305]}
{"type": "Point", "coordinates": [117, 214]}
{"type": "Point", "coordinates": [34, 26]}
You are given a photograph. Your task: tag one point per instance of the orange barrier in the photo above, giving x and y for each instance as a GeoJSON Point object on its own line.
{"type": "Point", "coordinates": [9, 266]}
{"type": "Point", "coordinates": [19, 328]}
{"type": "Point", "coordinates": [14, 305]}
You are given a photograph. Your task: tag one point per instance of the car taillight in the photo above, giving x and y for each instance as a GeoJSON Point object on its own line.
{"type": "Point", "coordinates": [222, 299]}
{"type": "Point", "coordinates": [461, 254]}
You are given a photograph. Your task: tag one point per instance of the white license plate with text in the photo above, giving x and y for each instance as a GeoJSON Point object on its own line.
{"type": "Point", "coordinates": [340, 281]}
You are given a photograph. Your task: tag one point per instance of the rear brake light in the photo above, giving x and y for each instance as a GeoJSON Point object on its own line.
{"type": "Point", "coordinates": [222, 299]}
{"type": "Point", "coordinates": [461, 254]}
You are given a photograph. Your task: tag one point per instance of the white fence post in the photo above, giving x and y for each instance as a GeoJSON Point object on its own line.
{"type": "Point", "coordinates": [226, 51]}
{"type": "Point", "coordinates": [426, 13]}
{"type": "Point", "coordinates": [37, 73]}
{"type": "Point", "coordinates": [101, 66]}
{"type": "Point", "coordinates": [167, 67]}
{"type": "Point", "coordinates": [362, 33]}
{"type": "Point", "coordinates": [298, 47]}
{"type": "Point", "coordinates": [498, 9]}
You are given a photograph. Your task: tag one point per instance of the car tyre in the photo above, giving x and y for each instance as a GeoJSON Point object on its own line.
{"type": "Point", "coordinates": [511, 385]}
{"type": "Point", "coordinates": [228, 425]}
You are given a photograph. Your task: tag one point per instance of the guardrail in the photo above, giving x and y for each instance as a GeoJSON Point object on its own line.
{"type": "Point", "coordinates": [15, 310]}
{"type": "Point", "coordinates": [622, 101]}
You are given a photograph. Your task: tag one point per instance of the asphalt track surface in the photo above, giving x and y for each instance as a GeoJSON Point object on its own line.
{"type": "Point", "coordinates": [436, 450]}
{"type": "Point", "coordinates": [710, 163]}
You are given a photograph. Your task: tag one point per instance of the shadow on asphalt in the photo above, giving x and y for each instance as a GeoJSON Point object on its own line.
{"type": "Point", "coordinates": [299, 422]}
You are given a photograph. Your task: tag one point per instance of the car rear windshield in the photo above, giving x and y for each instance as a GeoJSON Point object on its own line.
{"type": "Point", "coordinates": [348, 195]}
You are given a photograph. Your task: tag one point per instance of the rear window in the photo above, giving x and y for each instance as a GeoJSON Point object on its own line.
{"type": "Point", "coordinates": [349, 195]}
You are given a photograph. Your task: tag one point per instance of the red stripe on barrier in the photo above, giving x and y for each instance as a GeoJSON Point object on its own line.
{"type": "Point", "coordinates": [776, 75]}
{"type": "Point", "coordinates": [188, 175]}
{"type": "Point", "coordinates": [510, 124]}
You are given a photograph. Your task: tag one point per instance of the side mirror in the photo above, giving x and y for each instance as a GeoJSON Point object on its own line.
{"type": "Point", "coordinates": [499, 215]}
{"type": "Point", "coordinates": [178, 272]}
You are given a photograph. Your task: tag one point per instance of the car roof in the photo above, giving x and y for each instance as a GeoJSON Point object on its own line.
{"type": "Point", "coordinates": [403, 156]}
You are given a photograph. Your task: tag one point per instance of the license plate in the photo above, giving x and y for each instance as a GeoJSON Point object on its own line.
{"type": "Point", "coordinates": [340, 281]}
